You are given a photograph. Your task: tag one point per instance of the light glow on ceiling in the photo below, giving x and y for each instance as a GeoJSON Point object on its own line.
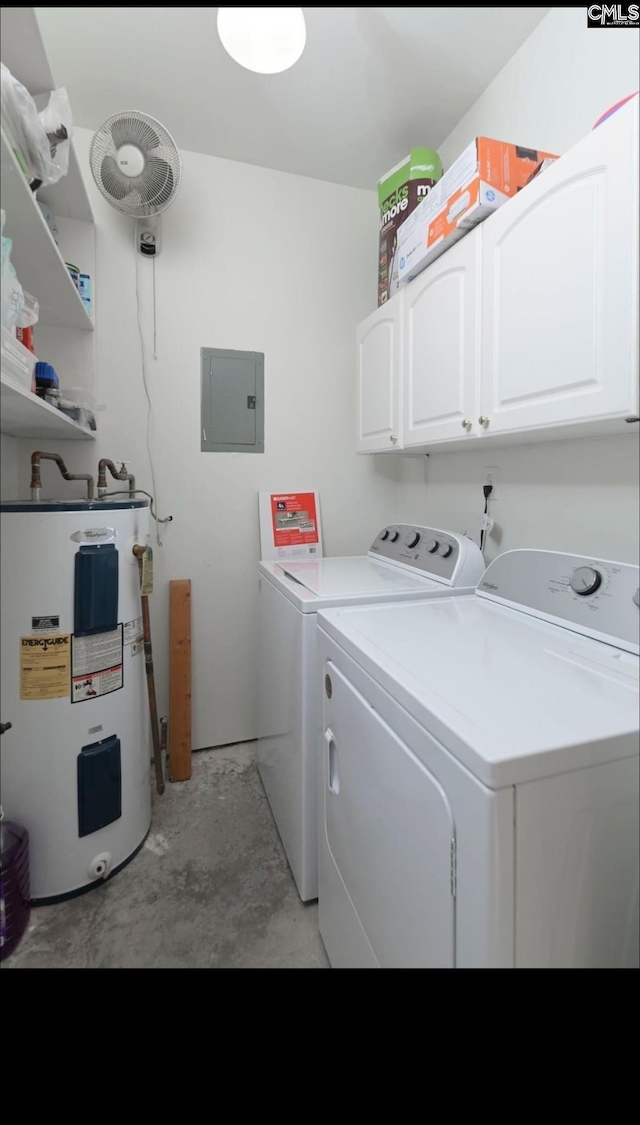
{"type": "Point", "coordinates": [265, 40]}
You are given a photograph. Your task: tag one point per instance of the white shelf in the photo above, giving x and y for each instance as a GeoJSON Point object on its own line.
{"type": "Point", "coordinates": [24, 415]}
{"type": "Point", "coordinates": [68, 198]}
{"type": "Point", "coordinates": [35, 256]}
{"type": "Point", "coordinates": [23, 52]}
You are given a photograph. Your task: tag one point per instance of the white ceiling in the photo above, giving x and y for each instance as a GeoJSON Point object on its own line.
{"type": "Point", "coordinates": [371, 84]}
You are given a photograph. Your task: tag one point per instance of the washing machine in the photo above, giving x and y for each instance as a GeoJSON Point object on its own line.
{"type": "Point", "coordinates": [403, 562]}
{"type": "Point", "coordinates": [478, 786]}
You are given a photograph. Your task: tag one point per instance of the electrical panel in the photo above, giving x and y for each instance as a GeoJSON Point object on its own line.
{"type": "Point", "coordinates": [232, 401]}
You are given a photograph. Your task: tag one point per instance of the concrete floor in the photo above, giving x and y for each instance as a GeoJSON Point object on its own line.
{"type": "Point", "coordinates": [211, 888]}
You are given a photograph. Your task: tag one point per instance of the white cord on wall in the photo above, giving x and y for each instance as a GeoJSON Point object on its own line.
{"type": "Point", "coordinates": [145, 382]}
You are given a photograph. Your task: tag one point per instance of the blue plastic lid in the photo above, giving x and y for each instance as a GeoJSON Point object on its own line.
{"type": "Point", "coordinates": [45, 373]}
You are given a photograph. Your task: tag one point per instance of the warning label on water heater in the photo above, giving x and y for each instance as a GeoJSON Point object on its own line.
{"type": "Point", "coordinates": [97, 665]}
{"type": "Point", "coordinates": [45, 625]}
{"type": "Point", "coordinates": [134, 636]}
{"type": "Point", "coordinates": [45, 665]}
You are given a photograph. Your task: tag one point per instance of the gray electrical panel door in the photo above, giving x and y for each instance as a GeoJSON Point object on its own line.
{"type": "Point", "coordinates": [232, 401]}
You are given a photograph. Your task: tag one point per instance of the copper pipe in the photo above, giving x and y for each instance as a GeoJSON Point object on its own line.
{"type": "Point", "coordinates": [117, 474]}
{"type": "Point", "coordinates": [132, 481]}
{"type": "Point", "coordinates": [139, 551]}
{"type": "Point", "coordinates": [36, 479]}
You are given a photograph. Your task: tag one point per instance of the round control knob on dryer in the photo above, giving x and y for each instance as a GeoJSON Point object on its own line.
{"type": "Point", "coordinates": [585, 580]}
{"type": "Point", "coordinates": [384, 534]}
{"type": "Point", "coordinates": [395, 535]}
{"type": "Point", "coordinates": [432, 546]}
{"type": "Point", "coordinates": [412, 539]}
{"type": "Point", "coordinates": [445, 549]}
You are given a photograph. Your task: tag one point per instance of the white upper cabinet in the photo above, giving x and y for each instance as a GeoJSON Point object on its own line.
{"type": "Point", "coordinates": [560, 289]}
{"type": "Point", "coordinates": [528, 327]}
{"type": "Point", "coordinates": [441, 348]}
{"type": "Point", "coordinates": [378, 388]}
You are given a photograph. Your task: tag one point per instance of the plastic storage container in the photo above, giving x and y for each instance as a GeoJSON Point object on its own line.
{"type": "Point", "coordinates": [75, 412]}
{"type": "Point", "coordinates": [85, 291]}
{"type": "Point", "coordinates": [15, 894]}
{"type": "Point", "coordinates": [46, 378]}
{"type": "Point", "coordinates": [18, 363]}
{"type": "Point", "coordinates": [74, 273]}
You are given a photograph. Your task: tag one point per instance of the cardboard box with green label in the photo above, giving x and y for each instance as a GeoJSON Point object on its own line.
{"type": "Point", "coordinates": [399, 193]}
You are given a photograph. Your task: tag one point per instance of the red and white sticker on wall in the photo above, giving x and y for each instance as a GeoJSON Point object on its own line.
{"type": "Point", "coordinates": [290, 525]}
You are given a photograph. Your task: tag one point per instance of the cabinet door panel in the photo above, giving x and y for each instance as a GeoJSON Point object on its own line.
{"type": "Point", "coordinates": [379, 354]}
{"type": "Point", "coordinates": [440, 348]}
{"type": "Point", "coordinates": [560, 297]}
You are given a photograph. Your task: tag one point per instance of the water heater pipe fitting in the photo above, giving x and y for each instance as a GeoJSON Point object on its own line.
{"type": "Point", "coordinates": [36, 479]}
{"type": "Point", "coordinates": [100, 866]}
{"type": "Point", "coordinates": [118, 474]}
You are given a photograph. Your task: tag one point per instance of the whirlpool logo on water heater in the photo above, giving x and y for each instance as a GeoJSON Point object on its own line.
{"type": "Point", "coordinates": [94, 535]}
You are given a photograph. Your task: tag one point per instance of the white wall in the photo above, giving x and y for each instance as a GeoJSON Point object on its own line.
{"type": "Point", "coordinates": [579, 495]}
{"type": "Point", "coordinates": [252, 259]}
{"type": "Point", "coordinates": [8, 467]}
{"type": "Point", "coordinates": [554, 88]}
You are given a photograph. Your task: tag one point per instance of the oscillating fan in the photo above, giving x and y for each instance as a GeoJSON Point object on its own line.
{"type": "Point", "coordinates": [137, 167]}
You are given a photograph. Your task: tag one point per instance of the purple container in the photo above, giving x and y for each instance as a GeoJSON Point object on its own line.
{"type": "Point", "coordinates": [15, 895]}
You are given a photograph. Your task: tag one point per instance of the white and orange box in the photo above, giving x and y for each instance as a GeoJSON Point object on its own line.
{"type": "Point", "coordinates": [484, 177]}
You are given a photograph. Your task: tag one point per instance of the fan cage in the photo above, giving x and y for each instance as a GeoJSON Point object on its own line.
{"type": "Point", "coordinates": [155, 188]}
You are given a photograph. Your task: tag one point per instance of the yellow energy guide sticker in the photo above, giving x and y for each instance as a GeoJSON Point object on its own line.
{"type": "Point", "coordinates": [45, 666]}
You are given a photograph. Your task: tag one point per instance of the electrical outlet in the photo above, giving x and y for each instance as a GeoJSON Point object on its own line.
{"type": "Point", "coordinates": [492, 477]}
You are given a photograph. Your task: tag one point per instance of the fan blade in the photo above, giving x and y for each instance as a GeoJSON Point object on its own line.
{"type": "Point", "coordinates": [129, 130]}
{"type": "Point", "coordinates": [113, 180]}
{"type": "Point", "coordinates": [156, 183]}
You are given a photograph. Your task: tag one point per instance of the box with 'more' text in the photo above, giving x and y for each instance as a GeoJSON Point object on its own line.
{"type": "Point", "coordinates": [399, 192]}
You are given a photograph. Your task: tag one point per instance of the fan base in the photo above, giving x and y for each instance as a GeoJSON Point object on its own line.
{"type": "Point", "coordinates": [149, 237]}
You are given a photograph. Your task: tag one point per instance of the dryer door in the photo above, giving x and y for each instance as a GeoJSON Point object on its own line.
{"type": "Point", "coordinates": [389, 835]}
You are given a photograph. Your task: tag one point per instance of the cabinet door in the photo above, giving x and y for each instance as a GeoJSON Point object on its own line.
{"type": "Point", "coordinates": [560, 289]}
{"type": "Point", "coordinates": [440, 348]}
{"type": "Point", "coordinates": [379, 355]}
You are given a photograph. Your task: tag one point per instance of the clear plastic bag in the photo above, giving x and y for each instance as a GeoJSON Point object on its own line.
{"type": "Point", "coordinates": [29, 312]}
{"type": "Point", "coordinates": [54, 112]}
{"type": "Point", "coordinates": [29, 135]}
{"type": "Point", "coordinates": [19, 309]}
{"type": "Point", "coordinates": [12, 295]}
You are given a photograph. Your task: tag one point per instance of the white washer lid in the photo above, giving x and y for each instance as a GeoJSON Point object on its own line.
{"type": "Point", "coordinates": [338, 578]}
{"type": "Point", "coordinates": [512, 697]}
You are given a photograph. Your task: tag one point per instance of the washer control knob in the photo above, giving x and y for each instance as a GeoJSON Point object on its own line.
{"type": "Point", "coordinates": [395, 535]}
{"type": "Point", "coordinates": [412, 539]}
{"type": "Point", "coordinates": [445, 549]}
{"type": "Point", "coordinates": [384, 534]}
{"type": "Point", "coordinates": [636, 598]}
{"type": "Point", "coordinates": [432, 546]}
{"type": "Point", "coordinates": [585, 580]}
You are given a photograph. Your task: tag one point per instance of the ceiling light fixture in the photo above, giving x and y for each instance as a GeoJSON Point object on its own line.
{"type": "Point", "coordinates": [266, 40]}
